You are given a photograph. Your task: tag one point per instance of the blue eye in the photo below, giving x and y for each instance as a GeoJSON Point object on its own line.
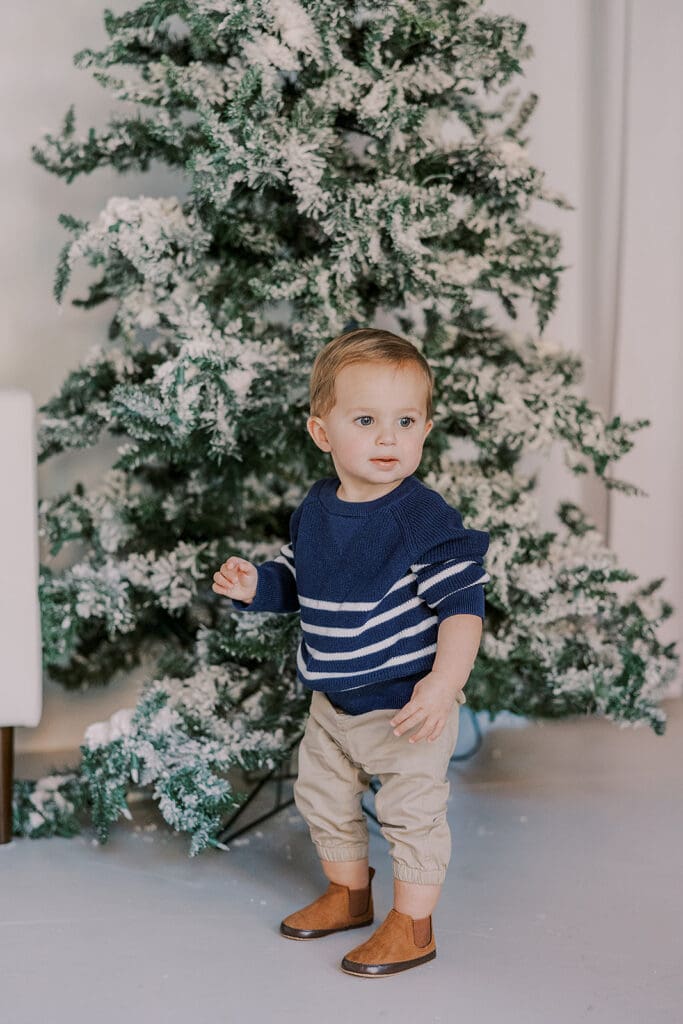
{"type": "Point", "coordinates": [410, 419]}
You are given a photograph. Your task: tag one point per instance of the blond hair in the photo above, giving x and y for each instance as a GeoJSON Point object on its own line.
{"type": "Point", "coordinates": [365, 344]}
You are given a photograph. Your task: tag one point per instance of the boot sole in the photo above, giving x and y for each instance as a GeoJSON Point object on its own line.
{"type": "Point", "coordinates": [382, 970]}
{"type": "Point", "coordinates": [302, 933]}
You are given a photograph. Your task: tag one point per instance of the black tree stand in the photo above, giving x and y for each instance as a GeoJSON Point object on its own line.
{"type": "Point", "coordinates": [280, 774]}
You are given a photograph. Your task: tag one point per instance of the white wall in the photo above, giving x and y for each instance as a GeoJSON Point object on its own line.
{"type": "Point", "coordinates": [620, 303]}
{"type": "Point", "coordinates": [609, 132]}
{"type": "Point", "coordinates": [648, 373]}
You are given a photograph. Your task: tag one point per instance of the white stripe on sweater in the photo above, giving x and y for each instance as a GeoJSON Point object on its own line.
{"type": "Point", "coordinates": [451, 570]}
{"type": "Point", "coordinates": [483, 579]}
{"type": "Point", "coordinates": [354, 606]}
{"type": "Point", "coordinates": [279, 558]}
{"type": "Point", "coordinates": [362, 652]}
{"type": "Point", "coordinates": [400, 609]}
{"type": "Point", "coordinates": [399, 659]}
{"type": "Point", "coordinates": [367, 606]}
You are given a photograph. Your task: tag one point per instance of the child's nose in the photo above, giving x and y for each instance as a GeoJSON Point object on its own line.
{"type": "Point", "coordinates": [386, 435]}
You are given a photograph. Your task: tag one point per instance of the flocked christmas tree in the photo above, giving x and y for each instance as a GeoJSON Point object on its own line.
{"type": "Point", "coordinates": [346, 164]}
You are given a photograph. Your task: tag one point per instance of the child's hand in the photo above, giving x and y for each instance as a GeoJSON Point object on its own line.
{"type": "Point", "coordinates": [236, 578]}
{"type": "Point", "coordinates": [431, 703]}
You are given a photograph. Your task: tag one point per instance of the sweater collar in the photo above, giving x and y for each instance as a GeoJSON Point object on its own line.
{"type": "Point", "coordinates": [328, 497]}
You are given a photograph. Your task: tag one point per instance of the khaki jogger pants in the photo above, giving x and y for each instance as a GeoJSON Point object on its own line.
{"type": "Point", "coordinates": [338, 756]}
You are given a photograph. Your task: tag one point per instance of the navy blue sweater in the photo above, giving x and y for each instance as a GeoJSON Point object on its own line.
{"type": "Point", "coordinates": [372, 580]}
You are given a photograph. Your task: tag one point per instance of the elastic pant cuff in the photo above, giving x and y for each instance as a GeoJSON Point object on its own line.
{"type": "Point", "coordinates": [357, 851]}
{"type": "Point", "coordinates": [418, 875]}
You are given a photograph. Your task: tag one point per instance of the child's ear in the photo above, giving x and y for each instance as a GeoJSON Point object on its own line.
{"type": "Point", "coordinates": [428, 426]}
{"type": "Point", "coordinates": [316, 428]}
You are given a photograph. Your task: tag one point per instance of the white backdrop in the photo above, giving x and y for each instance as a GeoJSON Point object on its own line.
{"type": "Point", "coordinates": [608, 132]}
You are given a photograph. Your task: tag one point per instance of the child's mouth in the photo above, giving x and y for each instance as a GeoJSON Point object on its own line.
{"type": "Point", "coordinates": [385, 462]}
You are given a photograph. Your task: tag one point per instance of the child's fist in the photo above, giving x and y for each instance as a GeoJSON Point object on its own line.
{"type": "Point", "coordinates": [237, 579]}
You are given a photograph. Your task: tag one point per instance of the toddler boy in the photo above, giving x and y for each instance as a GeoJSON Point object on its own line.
{"type": "Point", "coordinates": [389, 586]}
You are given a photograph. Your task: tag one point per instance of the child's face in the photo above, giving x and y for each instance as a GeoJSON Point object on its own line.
{"type": "Point", "coordinates": [377, 426]}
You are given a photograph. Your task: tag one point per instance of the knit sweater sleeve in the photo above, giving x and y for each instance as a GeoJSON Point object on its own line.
{"type": "Point", "coordinates": [452, 586]}
{"type": "Point", "coordinates": [276, 589]}
{"type": "Point", "coordinates": [450, 565]}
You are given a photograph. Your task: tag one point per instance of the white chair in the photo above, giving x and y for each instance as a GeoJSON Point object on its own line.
{"type": "Point", "coordinates": [21, 687]}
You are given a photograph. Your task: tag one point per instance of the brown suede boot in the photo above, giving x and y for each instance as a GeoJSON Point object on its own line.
{"type": "Point", "coordinates": [400, 942]}
{"type": "Point", "coordinates": [338, 909]}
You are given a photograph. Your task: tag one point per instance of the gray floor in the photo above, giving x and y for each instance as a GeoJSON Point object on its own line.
{"type": "Point", "coordinates": [563, 903]}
